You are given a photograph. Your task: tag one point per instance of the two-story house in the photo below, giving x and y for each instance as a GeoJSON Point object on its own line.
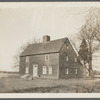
{"type": "Point", "coordinates": [51, 59]}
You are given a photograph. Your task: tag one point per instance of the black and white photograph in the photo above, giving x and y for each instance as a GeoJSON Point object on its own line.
{"type": "Point", "coordinates": [49, 47]}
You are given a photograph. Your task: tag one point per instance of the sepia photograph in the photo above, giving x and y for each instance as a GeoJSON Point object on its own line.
{"type": "Point", "coordinates": [50, 47]}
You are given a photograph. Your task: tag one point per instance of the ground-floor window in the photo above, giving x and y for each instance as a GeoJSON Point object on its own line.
{"type": "Point", "coordinates": [50, 70]}
{"type": "Point", "coordinates": [75, 70]}
{"type": "Point", "coordinates": [44, 70]}
{"type": "Point", "coordinates": [27, 69]}
{"type": "Point", "coordinates": [67, 71]}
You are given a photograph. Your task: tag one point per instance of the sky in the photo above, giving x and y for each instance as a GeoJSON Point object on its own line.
{"type": "Point", "coordinates": [20, 23]}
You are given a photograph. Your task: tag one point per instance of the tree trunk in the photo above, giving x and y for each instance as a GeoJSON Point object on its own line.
{"type": "Point", "coordinates": [90, 59]}
{"type": "Point", "coordinates": [90, 66]}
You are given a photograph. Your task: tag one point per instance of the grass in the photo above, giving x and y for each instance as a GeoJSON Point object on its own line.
{"type": "Point", "coordinates": [17, 85]}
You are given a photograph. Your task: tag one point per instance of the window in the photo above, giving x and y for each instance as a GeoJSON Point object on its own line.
{"type": "Point", "coordinates": [75, 59]}
{"type": "Point", "coordinates": [27, 69]}
{"type": "Point", "coordinates": [66, 58]}
{"type": "Point", "coordinates": [27, 64]}
{"type": "Point", "coordinates": [27, 59]}
{"type": "Point", "coordinates": [75, 71]}
{"type": "Point", "coordinates": [50, 70]}
{"type": "Point", "coordinates": [66, 70]}
{"type": "Point", "coordinates": [46, 57]}
{"type": "Point", "coordinates": [67, 46]}
{"type": "Point", "coordinates": [44, 70]}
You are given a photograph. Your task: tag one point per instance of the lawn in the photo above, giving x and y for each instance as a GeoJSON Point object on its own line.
{"type": "Point", "coordinates": [18, 85]}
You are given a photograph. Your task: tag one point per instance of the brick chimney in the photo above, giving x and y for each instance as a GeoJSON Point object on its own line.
{"type": "Point", "coordinates": [46, 38]}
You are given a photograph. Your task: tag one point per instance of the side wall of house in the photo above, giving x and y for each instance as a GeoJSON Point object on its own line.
{"type": "Point", "coordinates": [40, 61]}
{"type": "Point", "coordinates": [67, 68]}
{"type": "Point", "coordinates": [22, 65]}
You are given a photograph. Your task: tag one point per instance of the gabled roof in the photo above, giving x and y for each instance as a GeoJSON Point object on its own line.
{"type": "Point", "coordinates": [43, 48]}
{"type": "Point", "coordinates": [74, 47]}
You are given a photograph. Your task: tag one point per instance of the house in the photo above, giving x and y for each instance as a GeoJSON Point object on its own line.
{"type": "Point", "coordinates": [51, 59]}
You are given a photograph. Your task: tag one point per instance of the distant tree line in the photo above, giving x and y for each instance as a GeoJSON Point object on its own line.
{"type": "Point", "coordinates": [96, 72]}
{"type": "Point", "coordinates": [21, 49]}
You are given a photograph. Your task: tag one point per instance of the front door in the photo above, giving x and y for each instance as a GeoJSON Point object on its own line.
{"type": "Point", "coordinates": [35, 70]}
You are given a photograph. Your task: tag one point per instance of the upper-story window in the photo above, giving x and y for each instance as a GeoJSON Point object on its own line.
{"type": "Point", "coordinates": [75, 59]}
{"type": "Point", "coordinates": [67, 71]}
{"type": "Point", "coordinates": [75, 70]}
{"type": "Point", "coordinates": [66, 58]}
{"type": "Point", "coordinates": [27, 58]}
{"type": "Point", "coordinates": [46, 57]}
{"type": "Point", "coordinates": [67, 46]}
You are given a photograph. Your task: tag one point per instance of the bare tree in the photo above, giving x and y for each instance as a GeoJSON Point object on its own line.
{"type": "Point", "coordinates": [90, 32]}
{"type": "Point", "coordinates": [21, 49]}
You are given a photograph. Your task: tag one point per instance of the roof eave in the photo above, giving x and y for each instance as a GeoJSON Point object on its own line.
{"type": "Point", "coordinates": [39, 54]}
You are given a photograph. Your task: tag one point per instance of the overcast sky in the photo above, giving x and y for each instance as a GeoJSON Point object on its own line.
{"type": "Point", "coordinates": [20, 23]}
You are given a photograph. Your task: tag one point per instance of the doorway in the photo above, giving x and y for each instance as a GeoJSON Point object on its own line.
{"type": "Point", "coordinates": [35, 70]}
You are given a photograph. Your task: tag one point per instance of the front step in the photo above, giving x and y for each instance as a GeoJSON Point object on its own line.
{"type": "Point", "coordinates": [28, 77]}
{"type": "Point", "coordinates": [25, 76]}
